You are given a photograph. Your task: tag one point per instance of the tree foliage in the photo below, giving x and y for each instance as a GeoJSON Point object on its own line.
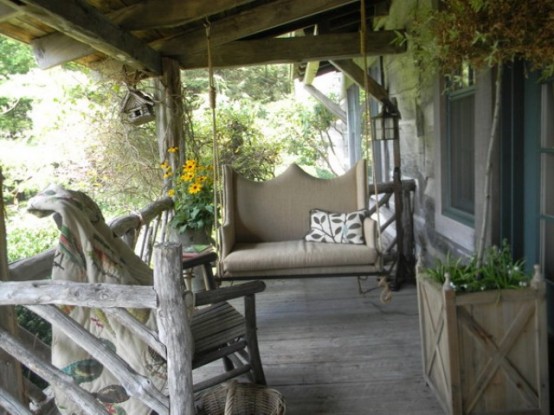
{"type": "Point", "coordinates": [15, 58]}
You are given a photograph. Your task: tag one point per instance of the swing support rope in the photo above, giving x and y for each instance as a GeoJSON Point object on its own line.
{"type": "Point", "coordinates": [215, 147]}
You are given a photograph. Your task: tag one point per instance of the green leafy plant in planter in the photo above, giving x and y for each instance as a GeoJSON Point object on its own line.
{"type": "Point", "coordinates": [497, 271]}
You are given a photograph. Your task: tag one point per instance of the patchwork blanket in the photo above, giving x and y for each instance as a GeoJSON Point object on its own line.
{"type": "Point", "coordinates": [88, 251]}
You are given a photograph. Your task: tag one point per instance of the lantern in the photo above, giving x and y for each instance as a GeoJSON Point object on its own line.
{"type": "Point", "coordinates": [385, 124]}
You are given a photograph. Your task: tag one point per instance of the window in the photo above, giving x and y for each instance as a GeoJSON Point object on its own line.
{"type": "Point", "coordinates": [459, 168]}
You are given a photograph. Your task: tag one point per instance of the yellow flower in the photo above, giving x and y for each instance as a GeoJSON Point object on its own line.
{"type": "Point", "coordinates": [164, 165]}
{"type": "Point", "coordinates": [171, 192]}
{"type": "Point", "coordinates": [190, 165]}
{"type": "Point", "coordinates": [167, 175]}
{"type": "Point", "coordinates": [172, 149]}
{"type": "Point", "coordinates": [195, 188]}
{"type": "Point", "coordinates": [187, 176]}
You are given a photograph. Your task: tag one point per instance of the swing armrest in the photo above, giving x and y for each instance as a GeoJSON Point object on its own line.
{"type": "Point", "coordinates": [370, 234]}
{"type": "Point", "coordinates": [227, 239]}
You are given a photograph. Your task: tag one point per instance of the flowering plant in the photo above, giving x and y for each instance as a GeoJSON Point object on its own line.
{"type": "Point", "coordinates": [192, 193]}
{"type": "Point", "coordinates": [497, 271]}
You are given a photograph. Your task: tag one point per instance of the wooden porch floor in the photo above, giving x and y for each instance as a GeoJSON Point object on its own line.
{"type": "Point", "coordinates": [330, 350]}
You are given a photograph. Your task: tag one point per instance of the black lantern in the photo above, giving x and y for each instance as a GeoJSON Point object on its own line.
{"type": "Point", "coordinates": [385, 124]}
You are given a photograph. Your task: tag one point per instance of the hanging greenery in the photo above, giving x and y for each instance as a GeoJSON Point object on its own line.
{"type": "Point", "coordinates": [485, 33]}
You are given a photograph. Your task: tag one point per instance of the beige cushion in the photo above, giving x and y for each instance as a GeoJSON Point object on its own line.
{"type": "Point", "coordinates": [279, 209]}
{"type": "Point", "coordinates": [260, 257]}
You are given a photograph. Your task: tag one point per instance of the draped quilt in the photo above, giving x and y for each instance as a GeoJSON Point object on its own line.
{"type": "Point", "coordinates": [88, 251]}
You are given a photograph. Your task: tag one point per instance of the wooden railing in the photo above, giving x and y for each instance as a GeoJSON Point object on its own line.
{"type": "Point", "coordinates": [27, 285]}
{"type": "Point", "coordinates": [395, 203]}
{"type": "Point", "coordinates": [164, 297]}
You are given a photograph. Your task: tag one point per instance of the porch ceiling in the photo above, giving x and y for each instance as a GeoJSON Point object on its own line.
{"type": "Point", "coordinates": [139, 33]}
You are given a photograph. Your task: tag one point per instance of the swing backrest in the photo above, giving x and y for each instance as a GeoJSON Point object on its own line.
{"type": "Point", "coordinates": [279, 209]}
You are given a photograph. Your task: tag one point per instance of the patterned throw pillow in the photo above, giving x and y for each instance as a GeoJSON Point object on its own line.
{"type": "Point", "coordinates": [342, 228]}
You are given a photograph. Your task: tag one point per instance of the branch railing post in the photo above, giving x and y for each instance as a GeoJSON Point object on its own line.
{"type": "Point", "coordinates": [11, 377]}
{"type": "Point", "coordinates": [174, 327]}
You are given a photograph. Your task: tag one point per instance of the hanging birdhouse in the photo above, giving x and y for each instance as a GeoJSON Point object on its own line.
{"type": "Point", "coordinates": [138, 107]}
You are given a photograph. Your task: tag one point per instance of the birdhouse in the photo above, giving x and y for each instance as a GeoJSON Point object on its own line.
{"type": "Point", "coordinates": [138, 107]}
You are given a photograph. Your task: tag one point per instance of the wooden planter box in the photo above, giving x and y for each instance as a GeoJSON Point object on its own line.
{"type": "Point", "coordinates": [486, 352]}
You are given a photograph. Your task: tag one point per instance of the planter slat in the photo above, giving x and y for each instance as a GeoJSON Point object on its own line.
{"type": "Point", "coordinates": [485, 353]}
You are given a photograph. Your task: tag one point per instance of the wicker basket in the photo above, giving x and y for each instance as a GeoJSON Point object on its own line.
{"type": "Point", "coordinates": [236, 398]}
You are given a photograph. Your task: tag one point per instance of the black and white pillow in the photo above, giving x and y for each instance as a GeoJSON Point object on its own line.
{"type": "Point", "coordinates": [342, 228]}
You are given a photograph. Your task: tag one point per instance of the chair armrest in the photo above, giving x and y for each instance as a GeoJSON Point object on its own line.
{"type": "Point", "coordinates": [228, 293]}
{"type": "Point", "coordinates": [200, 259]}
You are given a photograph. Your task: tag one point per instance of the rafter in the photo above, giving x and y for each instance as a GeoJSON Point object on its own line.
{"type": "Point", "coordinates": [7, 12]}
{"type": "Point", "coordinates": [249, 22]}
{"type": "Point", "coordinates": [153, 14]}
{"type": "Point", "coordinates": [353, 71]}
{"type": "Point", "coordinates": [290, 50]}
{"type": "Point", "coordinates": [84, 23]}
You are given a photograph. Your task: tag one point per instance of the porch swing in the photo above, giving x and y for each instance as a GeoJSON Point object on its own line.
{"type": "Point", "coordinates": [296, 225]}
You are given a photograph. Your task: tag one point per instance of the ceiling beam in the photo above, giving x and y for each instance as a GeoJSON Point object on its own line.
{"type": "Point", "coordinates": [7, 12]}
{"type": "Point", "coordinates": [57, 48]}
{"type": "Point", "coordinates": [82, 22]}
{"type": "Point", "coordinates": [249, 22]}
{"type": "Point", "coordinates": [295, 49]}
{"type": "Point", "coordinates": [152, 14]}
{"type": "Point", "coordinates": [353, 71]}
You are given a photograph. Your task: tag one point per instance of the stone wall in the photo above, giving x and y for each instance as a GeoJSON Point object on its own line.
{"type": "Point", "coordinates": [417, 93]}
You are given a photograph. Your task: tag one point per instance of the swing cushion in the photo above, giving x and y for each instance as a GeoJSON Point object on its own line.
{"type": "Point", "coordinates": [266, 223]}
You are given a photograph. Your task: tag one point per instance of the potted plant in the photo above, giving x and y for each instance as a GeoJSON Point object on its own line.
{"type": "Point", "coordinates": [483, 322]}
{"type": "Point", "coordinates": [484, 335]}
{"type": "Point", "coordinates": [193, 194]}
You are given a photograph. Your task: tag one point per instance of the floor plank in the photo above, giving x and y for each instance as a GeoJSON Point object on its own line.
{"type": "Point", "coordinates": [330, 350]}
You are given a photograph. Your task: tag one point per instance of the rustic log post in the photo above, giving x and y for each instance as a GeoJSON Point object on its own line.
{"type": "Point", "coordinates": [11, 378]}
{"type": "Point", "coordinates": [169, 113]}
{"type": "Point", "coordinates": [174, 328]}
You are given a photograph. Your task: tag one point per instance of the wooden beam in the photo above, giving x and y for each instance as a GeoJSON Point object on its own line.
{"type": "Point", "coordinates": [294, 49]}
{"type": "Point", "coordinates": [326, 102]}
{"type": "Point", "coordinates": [7, 12]}
{"type": "Point", "coordinates": [247, 23]}
{"type": "Point", "coordinates": [352, 70]}
{"type": "Point", "coordinates": [151, 14]}
{"type": "Point", "coordinates": [84, 23]}
{"type": "Point", "coordinates": [57, 48]}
